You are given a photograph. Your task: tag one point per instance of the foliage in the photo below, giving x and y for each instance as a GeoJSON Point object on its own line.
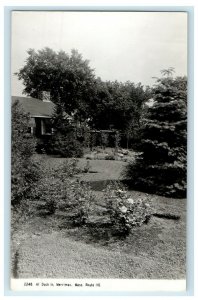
{"type": "Point", "coordinates": [64, 141]}
{"type": "Point", "coordinates": [119, 106]}
{"type": "Point", "coordinates": [66, 145]}
{"type": "Point", "coordinates": [120, 214]}
{"type": "Point", "coordinates": [87, 137]}
{"type": "Point", "coordinates": [25, 170]}
{"type": "Point", "coordinates": [71, 82]}
{"type": "Point", "coordinates": [59, 191]}
{"type": "Point", "coordinates": [67, 77]}
{"type": "Point", "coordinates": [74, 200]}
{"type": "Point", "coordinates": [168, 72]}
{"type": "Point", "coordinates": [125, 213]}
{"type": "Point", "coordinates": [161, 167]}
{"type": "Point", "coordinates": [110, 157]}
{"type": "Point", "coordinates": [104, 139]}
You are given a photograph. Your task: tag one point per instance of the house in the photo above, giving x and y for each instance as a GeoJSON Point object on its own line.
{"type": "Point", "coordinates": [41, 111]}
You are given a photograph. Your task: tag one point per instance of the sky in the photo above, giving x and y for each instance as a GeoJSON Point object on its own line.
{"type": "Point", "coordinates": [120, 46]}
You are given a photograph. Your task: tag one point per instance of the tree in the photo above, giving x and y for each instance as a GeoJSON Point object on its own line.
{"type": "Point", "coordinates": [68, 78]}
{"type": "Point", "coordinates": [119, 105]}
{"type": "Point", "coordinates": [161, 167]}
{"type": "Point", "coordinates": [64, 141]}
{"type": "Point", "coordinates": [168, 72]}
{"type": "Point", "coordinates": [71, 81]}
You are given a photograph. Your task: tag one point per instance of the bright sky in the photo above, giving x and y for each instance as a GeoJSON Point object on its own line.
{"type": "Point", "coordinates": [120, 46]}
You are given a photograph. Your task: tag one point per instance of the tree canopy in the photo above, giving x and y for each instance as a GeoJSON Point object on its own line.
{"type": "Point", "coordinates": [71, 82]}
{"type": "Point", "coordinates": [119, 105]}
{"type": "Point", "coordinates": [68, 78]}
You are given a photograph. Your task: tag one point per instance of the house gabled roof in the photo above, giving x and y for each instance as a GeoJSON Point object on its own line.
{"type": "Point", "coordinates": [36, 107]}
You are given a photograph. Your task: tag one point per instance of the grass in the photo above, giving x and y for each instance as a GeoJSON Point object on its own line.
{"type": "Point", "coordinates": [99, 169]}
{"type": "Point", "coordinates": [153, 251]}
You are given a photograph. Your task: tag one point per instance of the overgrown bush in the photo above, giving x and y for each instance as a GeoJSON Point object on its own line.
{"type": "Point", "coordinates": [64, 141]}
{"type": "Point", "coordinates": [61, 191]}
{"type": "Point", "coordinates": [66, 145]}
{"type": "Point", "coordinates": [25, 170]}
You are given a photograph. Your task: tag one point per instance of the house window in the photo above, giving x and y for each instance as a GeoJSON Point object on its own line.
{"type": "Point", "coordinates": [46, 128]}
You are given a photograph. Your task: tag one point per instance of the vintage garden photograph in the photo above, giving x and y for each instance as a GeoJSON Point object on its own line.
{"type": "Point", "coordinates": [98, 144]}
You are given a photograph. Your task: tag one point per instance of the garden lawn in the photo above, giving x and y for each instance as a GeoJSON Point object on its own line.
{"type": "Point", "coordinates": [56, 256]}
{"type": "Point", "coordinates": [154, 251]}
{"type": "Point", "coordinates": [99, 169]}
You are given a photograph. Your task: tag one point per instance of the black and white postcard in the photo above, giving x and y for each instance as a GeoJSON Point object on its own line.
{"type": "Point", "coordinates": [98, 150]}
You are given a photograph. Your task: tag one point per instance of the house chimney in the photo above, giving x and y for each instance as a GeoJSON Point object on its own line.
{"type": "Point", "coordinates": [44, 96]}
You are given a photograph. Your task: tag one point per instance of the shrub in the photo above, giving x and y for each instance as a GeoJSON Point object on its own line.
{"type": "Point", "coordinates": [75, 202]}
{"type": "Point", "coordinates": [64, 141]}
{"type": "Point", "coordinates": [125, 213]}
{"type": "Point", "coordinates": [122, 212]}
{"type": "Point", "coordinates": [110, 157]}
{"type": "Point", "coordinates": [43, 144]}
{"type": "Point", "coordinates": [25, 170]}
{"type": "Point", "coordinates": [60, 191]}
{"type": "Point", "coordinates": [65, 145]}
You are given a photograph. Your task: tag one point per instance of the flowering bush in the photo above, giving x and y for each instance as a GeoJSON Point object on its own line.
{"type": "Point", "coordinates": [125, 213]}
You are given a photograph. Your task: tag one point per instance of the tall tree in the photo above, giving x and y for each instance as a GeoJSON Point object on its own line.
{"type": "Point", "coordinates": [71, 81]}
{"type": "Point", "coordinates": [68, 78]}
{"type": "Point", "coordinates": [161, 167]}
{"type": "Point", "coordinates": [119, 105]}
